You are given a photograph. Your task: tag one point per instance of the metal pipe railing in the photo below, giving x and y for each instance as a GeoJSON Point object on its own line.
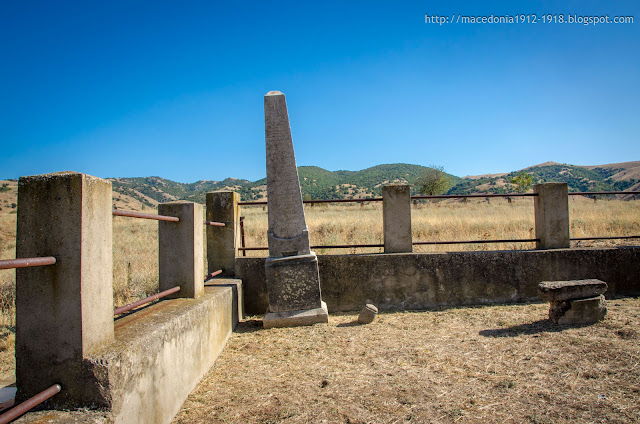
{"type": "Point", "coordinates": [25, 406]}
{"type": "Point", "coordinates": [26, 262]}
{"type": "Point", "coordinates": [132, 214]}
{"type": "Point", "coordinates": [601, 193]}
{"type": "Point", "coordinates": [367, 199]}
{"type": "Point", "coordinates": [345, 246]}
{"type": "Point", "coordinates": [242, 241]}
{"type": "Point", "coordinates": [149, 299]}
{"type": "Point", "coordinates": [215, 224]}
{"type": "Point", "coordinates": [464, 196]}
{"type": "Point", "coordinates": [213, 274]}
{"type": "Point", "coordinates": [604, 238]}
{"type": "Point", "coordinates": [336, 246]}
{"type": "Point", "coordinates": [476, 241]}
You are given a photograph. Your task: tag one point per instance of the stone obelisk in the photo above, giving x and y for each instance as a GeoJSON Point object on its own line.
{"type": "Point", "coordinates": [293, 282]}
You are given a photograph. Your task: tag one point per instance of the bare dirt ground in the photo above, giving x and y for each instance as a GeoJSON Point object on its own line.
{"type": "Point", "coordinates": [496, 364]}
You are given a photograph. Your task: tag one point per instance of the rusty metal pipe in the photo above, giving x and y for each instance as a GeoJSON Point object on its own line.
{"type": "Point", "coordinates": [213, 274]}
{"type": "Point", "coordinates": [476, 241]}
{"type": "Point", "coordinates": [464, 196]}
{"type": "Point", "coordinates": [215, 224]}
{"type": "Point", "coordinates": [26, 262]}
{"type": "Point", "coordinates": [132, 214]}
{"type": "Point", "coordinates": [134, 305]}
{"type": "Point", "coordinates": [600, 193]}
{"type": "Point", "coordinates": [336, 246]}
{"type": "Point", "coordinates": [242, 242]}
{"type": "Point", "coordinates": [604, 238]}
{"type": "Point", "coordinates": [345, 246]}
{"type": "Point", "coordinates": [25, 406]}
{"type": "Point", "coordinates": [367, 199]}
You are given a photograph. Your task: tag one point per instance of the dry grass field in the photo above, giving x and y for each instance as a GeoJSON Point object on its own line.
{"type": "Point", "coordinates": [490, 364]}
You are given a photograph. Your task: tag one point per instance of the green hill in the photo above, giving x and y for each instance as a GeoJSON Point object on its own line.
{"type": "Point", "coordinates": [578, 179]}
{"type": "Point", "coordinates": [318, 183]}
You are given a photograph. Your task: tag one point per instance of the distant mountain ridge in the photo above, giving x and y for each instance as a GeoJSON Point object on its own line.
{"type": "Point", "coordinates": [610, 177]}
{"type": "Point", "coordinates": [318, 183]}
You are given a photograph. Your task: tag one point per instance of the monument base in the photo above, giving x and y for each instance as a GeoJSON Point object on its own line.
{"type": "Point", "coordinates": [293, 283]}
{"type": "Point", "coordinates": [296, 318]}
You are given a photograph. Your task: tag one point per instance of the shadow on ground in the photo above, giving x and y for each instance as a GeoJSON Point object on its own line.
{"type": "Point", "coordinates": [536, 327]}
{"type": "Point", "coordinates": [249, 326]}
{"type": "Point", "coordinates": [349, 324]}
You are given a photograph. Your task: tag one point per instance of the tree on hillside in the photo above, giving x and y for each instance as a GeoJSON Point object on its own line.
{"type": "Point", "coordinates": [523, 181]}
{"type": "Point", "coordinates": [433, 181]}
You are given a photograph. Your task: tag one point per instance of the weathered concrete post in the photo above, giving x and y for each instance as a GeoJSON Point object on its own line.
{"type": "Point", "coordinates": [63, 311]}
{"type": "Point", "coordinates": [396, 217]}
{"type": "Point", "coordinates": [223, 242]}
{"type": "Point", "coordinates": [293, 281]}
{"type": "Point", "coordinates": [552, 215]}
{"type": "Point", "coordinates": [180, 249]}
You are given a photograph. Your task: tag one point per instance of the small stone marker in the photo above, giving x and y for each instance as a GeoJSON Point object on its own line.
{"type": "Point", "coordinates": [576, 301]}
{"type": "Point", "coordinates": [293, 281]}
{"type": "Point", "coordinates": [368, 314]}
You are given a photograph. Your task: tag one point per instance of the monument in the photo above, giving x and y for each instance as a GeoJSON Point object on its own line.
{"type": "Point", "coordinates": [293, 281]}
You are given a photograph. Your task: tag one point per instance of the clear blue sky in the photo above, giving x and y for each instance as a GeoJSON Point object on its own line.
{"type": "Point", "coordinates": [175, 89]}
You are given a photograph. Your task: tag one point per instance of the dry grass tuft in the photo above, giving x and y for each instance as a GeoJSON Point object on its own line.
{"type": "Point", "coordinates": [484, 364]}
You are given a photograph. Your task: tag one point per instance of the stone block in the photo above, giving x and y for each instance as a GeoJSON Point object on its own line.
{"type": "Point", "coordinates": [578, 311]}
{"type": "Point", "coordinates": [368, 314]}
{"type": "Point", "coordinates": [296, 318]}
{"type": "Point", "coordinates": [556, 291]}
{"type": "Point", "coordinates": [293, 283]}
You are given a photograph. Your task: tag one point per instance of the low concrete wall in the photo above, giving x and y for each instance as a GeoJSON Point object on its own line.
{"type": "Point", "coordinates": [159, 355]}
{"type": "Point", "coordinates": [420, 281]}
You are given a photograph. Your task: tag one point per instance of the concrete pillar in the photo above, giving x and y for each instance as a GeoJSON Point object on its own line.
{"type": "Point", "coordinates": [181, 249]}
{"type": "Point", "coordinates": [552, 215]}
{"type": "Point", "coordinates": [223, 242]}
{"type": "Point", "coordinates": [63, 311]}
{"type": "Point", "coordinates": [396, 216]}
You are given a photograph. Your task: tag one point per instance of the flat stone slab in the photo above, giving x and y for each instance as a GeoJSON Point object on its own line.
{"type": "Point", "coordinates": [557, 291]}
{"type": "Point", "coordinates": [296, 318]}
{"type": "Point", "coordinates": [580, 311]}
